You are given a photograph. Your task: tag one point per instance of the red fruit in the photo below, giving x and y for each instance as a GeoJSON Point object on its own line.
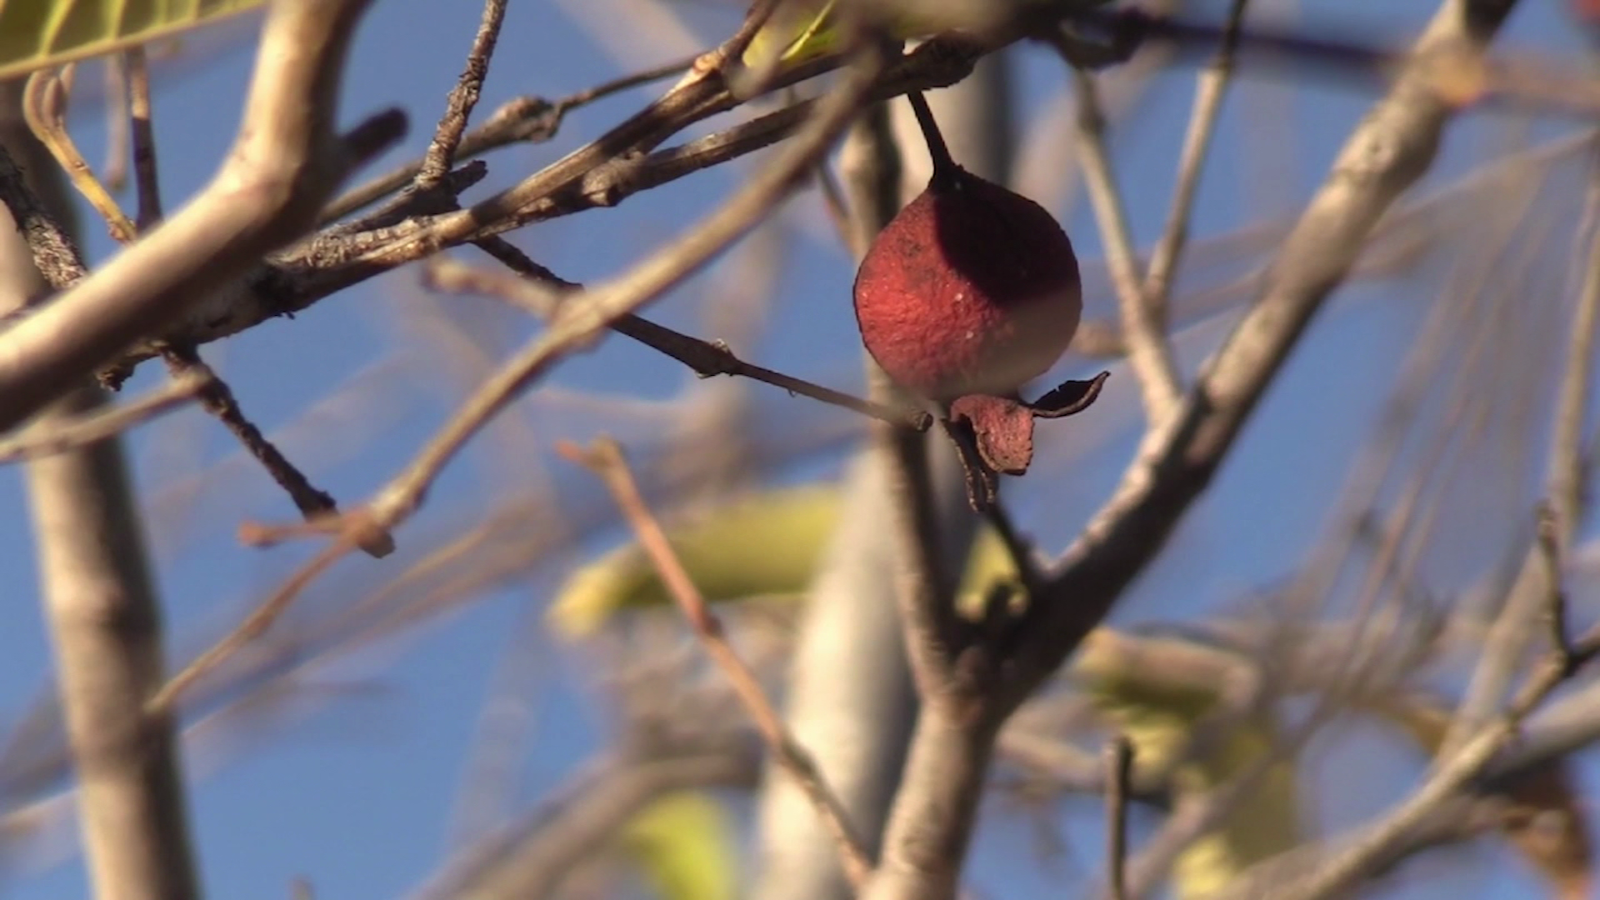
{"type": "Point", "coordinates": [971, 289]}
{"type": "Point", "coordinates": [968, 294]}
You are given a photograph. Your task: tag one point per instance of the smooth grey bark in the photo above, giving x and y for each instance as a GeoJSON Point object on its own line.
{"type": "Point", "coordinates": [102, 614]}
{"type": "Point", "coordinates": [850, 699]}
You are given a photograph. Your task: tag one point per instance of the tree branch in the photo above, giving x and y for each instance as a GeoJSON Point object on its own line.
{"type": "Point", "coordinates": [285, 163]}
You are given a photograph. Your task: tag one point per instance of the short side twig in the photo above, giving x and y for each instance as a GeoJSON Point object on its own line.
{"type": "Point", "coordinates": [1148, 351]}
{"type": "Point", "coordinates": [441, 154]}
{"type": "Point", "coordinates": [521, 119]}
{"type": "Point", "coordinates": [706, 358]}
{"type": "Point", "coordinates": [66, 434]}
{"type": "Point", "coordinates": [1119, 772]}
{"type": "Point", "coordinates": [44, 106]}
{"type": "Point", "coordinates": [216, 397]}
{"type": "Point", "coordinates": [1209, 91]}
{"type": "Point", "coordinates": [143, 140]}
{"type": "Point", "coordinates": [605, 459]}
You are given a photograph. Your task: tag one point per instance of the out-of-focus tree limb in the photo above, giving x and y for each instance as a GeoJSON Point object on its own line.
{"type": "Point", "coordinates": [285, 164]}
{"type": "Point", "coordinates": [99, 598]}
{"type": "Point", "coordinates": [533, 859]}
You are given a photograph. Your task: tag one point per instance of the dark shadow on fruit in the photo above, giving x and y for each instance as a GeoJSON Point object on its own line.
{"type": "Point", "coordinates": [970, 289]}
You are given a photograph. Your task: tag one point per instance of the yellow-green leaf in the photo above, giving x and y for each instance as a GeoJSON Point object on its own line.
{"type": "Point", "coordinates": [1159, 718]}
{"type": "Point", "coordinates": [38, 33]}
{"type": "Point", "coordinates": [766, 545]}
{"type": "Point", "coordinates": [797, 31]}
{"type": "Point", "coordinates": [683, 845]}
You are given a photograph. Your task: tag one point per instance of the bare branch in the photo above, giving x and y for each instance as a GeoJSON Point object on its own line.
{"type": "Point", "coordinates": [707, 359]}
{"type": "Point", "coordinates": [533, 859]}
{"type": "Point", "coordinates": [70, 433]}
{"type": "Point", "coordinates": [286, 161]}
{"type": "Point", "coordinates": [606, 460]}
{"type": "Point", "coordinates": [217, 398]}
{"type": "Point", "coordinates": [1209, 91]}
{"type": "Point", "coordinates": [143, 140]}
{"type": "Point", "coordinates": [335, 260]}
{"type": "Point", "coordinates": [1526, 603]}
{"type": "Point", "coordinates": [583, 319]}
{"type": "Point", "coordinates": [101, 610]}
{"type": "Point", "coordinates": [1336, 876]}
{"type": "Point", "coordinates": [1119, 769]}
{"type": "Point", "coordinates": [530, 119]}
{"type": "Point", "coordinates": [1143, 333]}
{"type": "Point", "coordinates": [441, 153]}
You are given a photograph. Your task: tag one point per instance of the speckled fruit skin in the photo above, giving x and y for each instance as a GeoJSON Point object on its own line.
{"type": "Point", "coordinates": [971, 289]}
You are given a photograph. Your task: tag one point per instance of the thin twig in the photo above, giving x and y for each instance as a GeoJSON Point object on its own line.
{"type": "Point", "coordinates": [1119, 771]}
{"type": "Point", "coordinates": [582, 320]}
{"type": "Point", "coordinates": [530, 119]}
{"type": "Point", "coordinates": [441, 154]}
{"type": "Point", "coordinates": [144, 142]}
{"type": "Point", "coordinates": [44, 106]}
{"type": "Point", "coordinates": [1148, 351]}
{"type": "Point", "coordinates": [605, 459]}
{"type": "Point", "coordinates": [1210, 88]}
{"type": "Point", "coordinates": [117, 138]}
{"type": "Point", "coordinates": [732, 50]}
{"type": "Point", "coordinates": [1549, 550]}
{"type": "Point", "coordinates": [217, 399]}
{"type": "Point", "coordinates": [254, 625]}
{"type": "Point", "coordinates": [1333, 878]}
{"type": "Point", "coordinates": [706, 358]}
{"type": "Point", "coordinates": [67, 434]}
{"type": "Point", "coordinates": [1506, 645]}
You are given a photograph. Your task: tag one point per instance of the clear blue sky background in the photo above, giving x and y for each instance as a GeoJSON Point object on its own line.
{"type": "Point", "coordinates": [358, 796]}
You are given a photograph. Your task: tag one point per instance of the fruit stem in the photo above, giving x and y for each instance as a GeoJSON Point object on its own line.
{"type": "Point", "coordinates": [944, 166]}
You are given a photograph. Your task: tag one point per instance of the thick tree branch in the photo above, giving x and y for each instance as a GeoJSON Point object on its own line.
{"type": "Point", "coordinates": [286, 162]}
{"type": "Point", "coordinates": [100, 604]}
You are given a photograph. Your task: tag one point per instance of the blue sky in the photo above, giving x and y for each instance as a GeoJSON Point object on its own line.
{"type": "Point", "coordinates": [357, 795]}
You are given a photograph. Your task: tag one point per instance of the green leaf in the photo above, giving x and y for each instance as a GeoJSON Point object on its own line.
{"type": "Point", "coordinates": [767, 545]}
{"type": "Point", "coordinates": [39, 33]}
{"type": "Point", "coordinates": [683, 845]}
{"type": "Point", "coordinates": [798, 31]}
{"type": "Point", "coordinates": [762, 546]}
